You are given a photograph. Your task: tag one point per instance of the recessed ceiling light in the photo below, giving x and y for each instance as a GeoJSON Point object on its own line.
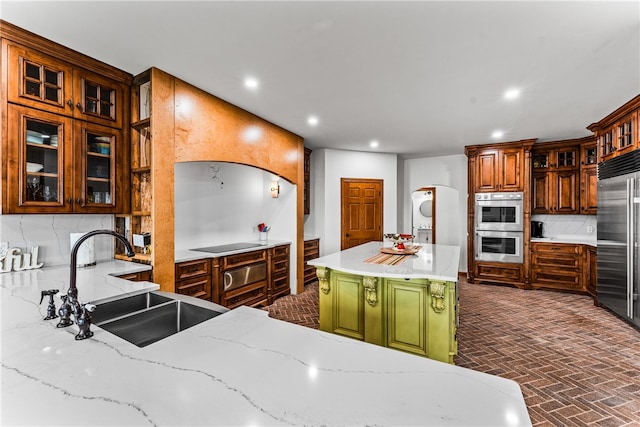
{"type": "Point", "coordinates": [251, 83]}
{"type": "Point", "coordinates": [497, 134]}
{"type": "Point", "coordinates": [373, 144]}
{"type": "Point", "coordinates": [312, 120]}
{"type": "Point", "coordinates": [512, 94]}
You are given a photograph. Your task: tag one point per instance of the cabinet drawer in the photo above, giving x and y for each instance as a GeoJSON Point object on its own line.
{"type": "Point", "coordinates": [253, 295]}
{"type": "Point", "coordinates": [311, 249]}
{"type": "Point", "coordinates": [548, 260]}
{"type": "Point", "coordinates": [281, 251]}
{"type": "Point", "coordinates": [199, 287]}
{"type": "Point", "coordinates": [238, 260]}
{"type": "Point", "coordinates": [499, 272]}
{"type": "Point", "coordinates": [280, 266]}
{"type": "Point", "coordinates": [557, 248]}
{"type": "Point", "coordinates": [142, 276]}
{"type": "Point", "coordinates": [188, 269]}
{"type": "Point", "coordinates": [557, 279]}
{"type": "Point", "coordinates": [309, 274]}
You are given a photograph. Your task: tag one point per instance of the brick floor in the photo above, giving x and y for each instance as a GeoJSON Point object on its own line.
{"type": "Point", "coordinates": [577, 364]}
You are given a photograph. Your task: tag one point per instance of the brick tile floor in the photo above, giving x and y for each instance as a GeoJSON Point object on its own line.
{"type": "Point", "coordinates": [577, 364]}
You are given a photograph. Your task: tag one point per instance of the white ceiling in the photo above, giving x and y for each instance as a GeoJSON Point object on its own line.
{"type": "Point", "coordinates": [424, 78]}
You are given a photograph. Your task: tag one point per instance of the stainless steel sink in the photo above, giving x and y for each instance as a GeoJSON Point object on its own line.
{"type": "Point", "coordinates": [147, 318]}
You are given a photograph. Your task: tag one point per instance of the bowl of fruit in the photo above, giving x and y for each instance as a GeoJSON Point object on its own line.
{"type": "Point", "coordinates": [400, 241]}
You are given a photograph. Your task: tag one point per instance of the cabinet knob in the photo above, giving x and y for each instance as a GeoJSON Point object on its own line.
{"type": "Point", "coordinates": [69, 200]}
{"type": "Point", "coordinates": [70, 103]}
{"type": "Point", "coordinates": [78, 200]}
{"type": "Point", "coordinates": [79, 105]}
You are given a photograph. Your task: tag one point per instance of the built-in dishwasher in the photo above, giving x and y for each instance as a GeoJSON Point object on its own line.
{"type": "Point", "coordinates": [243, 276]}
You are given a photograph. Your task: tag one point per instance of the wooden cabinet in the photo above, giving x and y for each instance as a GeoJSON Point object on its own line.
{"type": "Point", "coordinates": [63, 144]}
{"type": "Point", "coordinates": [418, 316]}
{"type": "Point", "coordinates": [499, 170]}
{"type": "Point", "coordinates": [141, 276]}
{"type": "Point", "coordinates": [52, 84]}
{"type": "Point", "coordinates": [618, 133]}
{"type": "Point", "coordinates": [588, 178]}
{"type": "Point", "coordinates": [307, 181]}
{"type": "Point", "coordinates": [497, 272]}
{"type": "Point", "coordinates": [555, 179]}
{"type": "Point", "coordinates": [193, 278]}
{"type": "Point", "coordinates": [253, 290]}
{"type": "Point", "coordinates": [564, 178]}
{"type": "Point", "coordinates": [63, 166]}
{"type": "Point", "coordinates": [311, 251]}
{"type": "Point", "coordinates": [279, 285]}
{"type": "Point", "coordinates": [557, 266]}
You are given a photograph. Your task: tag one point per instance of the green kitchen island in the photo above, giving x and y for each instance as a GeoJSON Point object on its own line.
{"type": "Point", "coordinates": [411, 305]}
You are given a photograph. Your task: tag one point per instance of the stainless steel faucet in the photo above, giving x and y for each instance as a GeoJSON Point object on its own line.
{"type": "Point", "coordinates": [70, 303]}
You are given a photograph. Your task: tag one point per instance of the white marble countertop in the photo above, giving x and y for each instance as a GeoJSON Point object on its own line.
{"type": "Point", "coordinates": [571, 239]}
{"type": "Point", "coordinates": [438, 262]}
{"type": "Point", "coordinates": [240, 368]}
{"type": "Point", "coordinates": [182, 255]}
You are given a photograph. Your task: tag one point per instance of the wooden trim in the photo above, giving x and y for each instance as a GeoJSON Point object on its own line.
{"type": "Point", "coordinates": [618, 114]}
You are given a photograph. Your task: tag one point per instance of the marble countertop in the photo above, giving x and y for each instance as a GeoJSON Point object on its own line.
{"type": "Point", "coordinates": [182, 255]}
{"type": "Point", "coordinates": [240, 368]}
{"type": "Point", "coordinates": [438, 262]}
{"type": "Point", "coordinates": [571, 239]}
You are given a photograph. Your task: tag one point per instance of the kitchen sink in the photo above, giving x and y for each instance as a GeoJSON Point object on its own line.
{"type": "Point", "coordinates": [148, 318]}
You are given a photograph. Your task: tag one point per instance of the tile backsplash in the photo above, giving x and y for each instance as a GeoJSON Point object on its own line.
{"type": "Point", "coordinates": [51, 234]}
{"type": "Point", "coordinates": [568, 225]}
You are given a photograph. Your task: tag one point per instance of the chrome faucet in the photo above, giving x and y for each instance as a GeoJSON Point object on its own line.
{"type": "Point", "coordinates": [70, 303]}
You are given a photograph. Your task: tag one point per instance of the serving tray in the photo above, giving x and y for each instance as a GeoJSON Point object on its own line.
{"type": "Point", "coordinates": [410, 250]}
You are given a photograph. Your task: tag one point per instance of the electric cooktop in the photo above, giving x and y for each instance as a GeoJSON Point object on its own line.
{"type": "Point", "coordinates": [227, 248]}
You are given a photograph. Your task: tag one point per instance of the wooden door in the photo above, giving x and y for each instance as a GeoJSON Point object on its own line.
{"type": "Point", "coordinates": [565, 192]}
{"type": "Point", "coordinates": [540, 193]}
{"type": "Point", "coordinates": [510, 170]}
{"type": "Point", "coordinates": [589, 191]}
{"type": "Point", "coordinates": [361, 211]}
{"type": "Point", "coordinates": [487, 171]}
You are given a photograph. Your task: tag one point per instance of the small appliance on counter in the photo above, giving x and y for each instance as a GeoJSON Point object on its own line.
{"type": "Point", "coordinates": [537, 229]}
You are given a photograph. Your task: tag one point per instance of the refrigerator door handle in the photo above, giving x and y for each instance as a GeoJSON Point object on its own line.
{"type": "Point", "coordinates": [631, 191]}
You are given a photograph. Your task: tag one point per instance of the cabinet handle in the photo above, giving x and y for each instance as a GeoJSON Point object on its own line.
{"type": "Point", "coordinates": [78, 105]}
{"type": "Point", "coordinates": [70, 104]}
{"type": "Point", "coordinates": [69, 200]}
{"type": "Point", "coordinates": [78, 200]}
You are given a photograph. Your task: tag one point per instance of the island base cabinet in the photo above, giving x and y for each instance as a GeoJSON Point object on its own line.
{"type": "Point", "coordinates": [418, 316]}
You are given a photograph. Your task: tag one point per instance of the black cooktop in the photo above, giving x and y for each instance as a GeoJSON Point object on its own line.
{"type": "Point", "coordinates": [227, 248]}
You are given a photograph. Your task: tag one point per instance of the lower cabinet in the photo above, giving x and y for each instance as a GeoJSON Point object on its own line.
{"type": "Point", "coordinates": [591, 272]}
{"type": "Point", "coordinates": [311, 251]}
{"type": "Point", "coordinates": [497, 272]}
{"type": "Point", "coordinates": [557, 266]}
{"type": "Point", "coordinates": [279, 273]}
{"type": "Point", "coordinates": [141, 276]}
{"type": "Point", "coordinates": [193, 278]}
{"type": "Point", "coordinates": [418, 316]}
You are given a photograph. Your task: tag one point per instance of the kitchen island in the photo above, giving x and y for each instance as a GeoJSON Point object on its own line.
{"type": "Point", "coordinates": [405, 302]}
{"type": "Point", "coordinates": [239, 368]}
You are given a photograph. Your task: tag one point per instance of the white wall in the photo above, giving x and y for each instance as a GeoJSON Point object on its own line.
{"type": "Point", "coordinates": [328, 167]}
{"type": "Point", "coordinates": [218, 203]}
{"type": "Point", "coordinates": [51, 234]}
{"type": "Point", "coordinates": [449, 171]}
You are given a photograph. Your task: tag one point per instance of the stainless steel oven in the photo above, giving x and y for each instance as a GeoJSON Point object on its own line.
{"type": "Point", "coordinates": [499, 211]}
{"type": "Point", "coordinates": [499, 246]}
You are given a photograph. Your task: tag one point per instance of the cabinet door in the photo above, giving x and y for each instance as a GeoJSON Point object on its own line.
{"type": "Point", "coordinates": [565, 192]}
{"type": "Point", "coordinates": [407, 317]}
{"type": "Point", "coordinates": [98, 184]}
{"type": "Point", "coordinates": [487, 170]}
{"type": "Point", "coordinates": [39, 81]}
{"type": "Point", "coordinates": [589, 191]}
{"type": "Point", "coordinates": [540, 201]}
{"type": "Point", "coordinates": [98, 99]}
{"type": "Point", "coordinates": [510, 170]}
{"type": "Point", "coordinates": [39, 150]}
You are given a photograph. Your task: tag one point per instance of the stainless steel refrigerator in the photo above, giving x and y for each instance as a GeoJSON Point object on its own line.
{"type": "Point", "coordinates": [619, 236]}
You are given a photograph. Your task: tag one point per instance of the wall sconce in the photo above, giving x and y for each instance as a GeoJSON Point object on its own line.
{"type": "Point", "coordinates": [275, 189]}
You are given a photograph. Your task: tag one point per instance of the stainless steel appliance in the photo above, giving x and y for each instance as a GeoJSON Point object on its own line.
{"type": "Point", "coordinates": [499, 246]}
{"type": "Point", "coordinates": [499, 211]}
{"type": "Point", "coordinates": [499, 227]}
{"type": "Point", "coordinates": [618, 235]}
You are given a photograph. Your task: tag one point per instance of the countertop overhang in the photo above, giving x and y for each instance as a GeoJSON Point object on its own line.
{"type": "Point", "coordinates": [433, 261]}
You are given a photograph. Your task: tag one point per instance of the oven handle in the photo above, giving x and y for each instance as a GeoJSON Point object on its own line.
{"type": "Point", "coordinates": [228, 280]}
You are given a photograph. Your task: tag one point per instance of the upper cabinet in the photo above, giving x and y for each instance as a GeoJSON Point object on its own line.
{"type": "Point", "coordinates": [563, 177]}
{"type": "Point", "coordinates": [498, 167]}
{"type": "Point", "coordinates": [618, 133]}
{"type": "Point", "coordinates": [63, 138]}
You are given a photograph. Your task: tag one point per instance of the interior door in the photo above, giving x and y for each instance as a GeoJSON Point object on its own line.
{"type": "Point", "coordinates": [361, 211]}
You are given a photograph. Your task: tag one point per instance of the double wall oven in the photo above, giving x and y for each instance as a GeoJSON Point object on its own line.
{"type": "Point", "coordinates": [498, 227]}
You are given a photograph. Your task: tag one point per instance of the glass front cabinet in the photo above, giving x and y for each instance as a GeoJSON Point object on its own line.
{"type": "Point", "coordinates": [58, 165]}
